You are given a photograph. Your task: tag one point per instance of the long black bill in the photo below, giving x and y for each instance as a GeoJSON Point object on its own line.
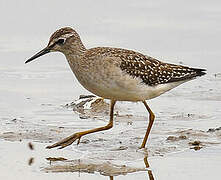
{"type": "Point", "coordinates": [41, 53]}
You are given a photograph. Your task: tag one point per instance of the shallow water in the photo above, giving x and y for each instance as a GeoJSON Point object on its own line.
{"type": "Point", "coordinates": [71, 164]}
{"type": "Point", "coordinates": [33, 96]}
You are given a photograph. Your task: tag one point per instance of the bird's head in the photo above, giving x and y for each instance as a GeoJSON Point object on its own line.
{"type": "Point", "coordinates": [65, 40]}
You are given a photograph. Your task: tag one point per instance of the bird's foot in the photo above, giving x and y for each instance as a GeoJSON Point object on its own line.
{"type": "Point", "coordinates": [66, 141]}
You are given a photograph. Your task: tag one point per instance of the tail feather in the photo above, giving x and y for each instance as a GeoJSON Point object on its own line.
{"type": "Point", "coordinates": [199, 72]}
{"type": "Point", "coordinates": [182, 73]}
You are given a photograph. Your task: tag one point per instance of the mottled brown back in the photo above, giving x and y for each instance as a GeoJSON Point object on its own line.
{"type": "Point", "coordinates": [150, 70]}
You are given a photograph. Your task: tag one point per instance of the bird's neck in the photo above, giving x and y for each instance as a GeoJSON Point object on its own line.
{"type": "Point", "coordinates": [76, 48]}
{"type": "Point", "coordinates": [75, 56]}
{"type": "Point", "coordinates": [76, 59]}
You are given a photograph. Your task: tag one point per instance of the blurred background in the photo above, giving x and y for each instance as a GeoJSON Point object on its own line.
{"type": "Point", "coordinates": [173, 30]}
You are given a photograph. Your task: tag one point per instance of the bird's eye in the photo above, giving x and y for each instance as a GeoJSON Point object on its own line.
{"type": "Point", "coordinates": [60, 41]}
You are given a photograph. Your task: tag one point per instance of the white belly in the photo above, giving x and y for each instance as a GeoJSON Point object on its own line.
{"type": "Point", "coordinates": [109, 82]}
{"type": "Point", "coordinates": [126, 88]}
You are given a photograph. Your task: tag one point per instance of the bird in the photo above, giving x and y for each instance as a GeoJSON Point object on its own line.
{"type": "Point", "coordinates": [116, 74]}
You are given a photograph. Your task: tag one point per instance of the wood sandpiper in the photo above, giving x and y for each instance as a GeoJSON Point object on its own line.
{"type": "Point", "coordinates": [116, 74]}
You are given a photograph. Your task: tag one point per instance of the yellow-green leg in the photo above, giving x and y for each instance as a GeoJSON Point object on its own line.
{"type": "Point", "coordinates": [70, 139]}
{"type": "Point", "coordinates": [151, 120]}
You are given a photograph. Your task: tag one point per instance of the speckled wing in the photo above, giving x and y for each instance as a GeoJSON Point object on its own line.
{"type": "Point", "coordinates": [154, 72]}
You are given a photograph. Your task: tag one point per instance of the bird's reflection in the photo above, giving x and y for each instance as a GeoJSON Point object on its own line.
{"type": "Point", "coordinates": [150, 174]}
{"type": "Point", "coordinates": [82, 167]}
{"type": "Point", "coordinates": [78, 166]}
